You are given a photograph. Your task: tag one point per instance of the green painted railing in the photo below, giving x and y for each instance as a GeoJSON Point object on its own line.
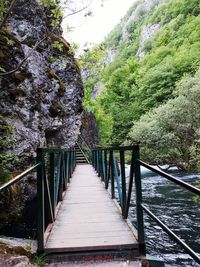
{"type": "Point", "coordinates": [113, 172]}
{"type": "Point", "coordinates": [85, 149]}
{"type": "Point", "coordinates": [54, 169]}
{"type": "Point", "coordinates": [53, 175]}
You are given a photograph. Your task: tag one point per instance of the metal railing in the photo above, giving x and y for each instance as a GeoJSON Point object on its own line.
{"type": "Point", "coordinates": [53, 175]}
{"type": "Point", "coordinates": [85, 149]}
{"type": "Point", "coordinates": [54, 169]}
{"type": "Point", "coordinates": [104, 162]}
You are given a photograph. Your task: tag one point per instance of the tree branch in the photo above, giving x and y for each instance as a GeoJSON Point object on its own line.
{"type": "Point", "coordinates": [7, 13]}
{"type": "Point", "coordinates": [73, 12]}
{"type": "Point", "coordinates": [24, 60]}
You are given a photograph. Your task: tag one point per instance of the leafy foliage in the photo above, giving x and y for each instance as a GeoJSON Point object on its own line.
{"type": "Point", "coordinates": [4, 4]}
{"type": "Point", "coordinates": [5, 142]}
{"type": "Point", "coordinates": [170, 133]}
{"type": "Point", "coordinates": [134, 86]}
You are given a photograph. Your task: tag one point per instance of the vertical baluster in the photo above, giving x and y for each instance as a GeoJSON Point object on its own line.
{"type": "Point", "coordinates": [60, 191]}
{"type": "Point", "coordinates": [48, 211]}
{"type": "Point", "coordinates": [112, 175]}
{"type": "Point", "coordinates": [117, 180]}
{"type": "Point", "coordinates": [52, 182]}
{"type": "Point", "coordinates": [103, 165]}
{"type": "Point", "coordinates": [130, 186]}
{"type": "Point", "coordinates": [100, 165]}
{"type": "Point", "coordinates": [106, 165]}
{"type": "Point", "coordinates": [74, 159]}
{"type": "Point", "coordinates": [64, 172]}
{"type": "Point", "coordinates": [70, 162]}
{"type": "Point", "coordinates": [109, 170]}
{"type": "Point", "coordinates": [93, 158]}
{"type": "Point", "coordinates": [97, 161]}
{"type": "Point", "coordinates": [40, 200]}
{"type": "Point", "coordinates": [123, 177]}
{"type": "Point", "coordinates": [65, 166]}
{"type": "Point", "coordinates": [139, 210]}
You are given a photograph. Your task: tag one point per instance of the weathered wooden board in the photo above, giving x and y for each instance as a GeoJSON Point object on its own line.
{"type": "Point", "coordinates": [88, 219]}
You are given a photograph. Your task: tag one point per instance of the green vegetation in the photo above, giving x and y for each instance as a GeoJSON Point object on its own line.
{"type": "Point", "coordinates": [171, 133]}
{"type": "Point", "coordinates": [4, 5]}
{"type": "Point", "coordinates": [6, 140]}
{"type": "Point", "coordinates": [138, 92]}
{"type": "Point", "coordinates": [39, 260]}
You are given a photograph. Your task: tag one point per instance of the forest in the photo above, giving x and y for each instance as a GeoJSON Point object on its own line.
{"type": "Point", "coordinates": [146, 76]}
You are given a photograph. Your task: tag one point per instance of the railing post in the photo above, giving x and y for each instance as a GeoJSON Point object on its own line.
{"type": "Point", "coordinates": [40, 200]}
{"type": "Point", "coordinates": [108, 169]}
{"type": "Point", "coordinates": [139, 210]}
{"type": "Point", "coordinates": [106, 165]}
{"type": "Point", "coordinates": [67, 166]}
{"type": "Point", "coordinates": [100, 165]}
{"type": "Point", "coordinates": [70, 163]}
{"type": "Point", "coordinates": [93, 151]}
{"type": "Point", "coordinates": [97, 160]}
{"type": "Point", "coordinates": [123, 177]}
{"type": "Point", "coordinates": [74, 160]}
{"type": "Point", "coordinates": [103, 166]}
{"type": "Point", "coordinates": [93, 158]}
{"type": "Point", "coordinates": [60, 190]}
{"type": "Point", "coordinates": [52, 183]}
{"type": "Point", "coordinates": [112, 174]}
{"type": "Point", "coordinates": [95, 165]}
{"type": "Point", "coordinates": [64, 171]}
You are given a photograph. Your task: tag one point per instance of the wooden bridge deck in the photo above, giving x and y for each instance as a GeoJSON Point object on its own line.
{"type": "Point", "coordinates": [88, 219]}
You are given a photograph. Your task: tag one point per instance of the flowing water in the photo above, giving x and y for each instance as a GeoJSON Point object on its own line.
{"type": "Point", "coordinates": [177, 208]}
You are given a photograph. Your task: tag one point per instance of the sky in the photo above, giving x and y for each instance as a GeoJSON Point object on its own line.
{"type": "Point", "coordinates": [93, 29]}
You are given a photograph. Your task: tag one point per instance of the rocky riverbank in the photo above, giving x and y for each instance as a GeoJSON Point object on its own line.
{"type": "Point", "coordinates": [16, 252]}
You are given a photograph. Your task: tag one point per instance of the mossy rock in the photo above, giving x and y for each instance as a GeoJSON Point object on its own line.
{"type": "Point", "coordinates": [18, 250]}
{"type": "Point", "coordinates": [62, 89]}
{"type": "Point", "coordinates": [56, 110]}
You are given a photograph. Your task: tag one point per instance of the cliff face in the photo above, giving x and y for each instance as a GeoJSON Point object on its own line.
{"type": "Point", "coordinates": [89, 129]}
{"type": "Point", "coordinates": [42, 99]}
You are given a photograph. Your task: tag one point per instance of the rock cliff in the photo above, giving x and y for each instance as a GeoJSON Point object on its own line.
{"type": "Point", "coordinates": [41, 98]}
{"type": "Point", "coordinates": [89, 129]}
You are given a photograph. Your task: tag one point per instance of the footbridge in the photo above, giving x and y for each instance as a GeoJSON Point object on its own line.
{"type": "Point", "coordinates": [84, 201]}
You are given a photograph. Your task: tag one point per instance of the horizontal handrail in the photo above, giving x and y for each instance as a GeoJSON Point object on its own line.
{"type": "Point", "coordinates": [100, 163]}
{"type": "Point", "coordinates": [53, 176]}
{"type": "Point", "coordinates": [85, 149]}
{"type": "Point", "coordinates": [172, 234]}
{"type": "Point", "coordinates": [52, 181]}
{"type": "Point", "coordinates": [121, 148]}
{"type": "Point", "coordinates": [85, 154]}
{"type": "Point", "coordinates": [18, 177]}
{"type": "Point", "coordinates": [189, 187]}
{"type": "Point", "coordinates": [83, 141]}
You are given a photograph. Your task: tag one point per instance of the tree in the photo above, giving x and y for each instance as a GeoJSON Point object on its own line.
{"type": "Point", "coordinates": [170, 133]}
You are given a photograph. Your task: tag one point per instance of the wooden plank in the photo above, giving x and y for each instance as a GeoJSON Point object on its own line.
{"type": "Point", "coordinates": [61, 249]}
{"type": "Point", "coordinates": [103, 227]}
{"type": "Point", "coordinates": [88, 220]}
{"type": "Point", "coordinates": [90, 234]}
{"type": "Point", "coordinates": [88, 242]}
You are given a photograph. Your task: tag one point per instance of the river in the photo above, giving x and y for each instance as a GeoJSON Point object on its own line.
{"type": "Point", "coordinates": [175, 207]}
